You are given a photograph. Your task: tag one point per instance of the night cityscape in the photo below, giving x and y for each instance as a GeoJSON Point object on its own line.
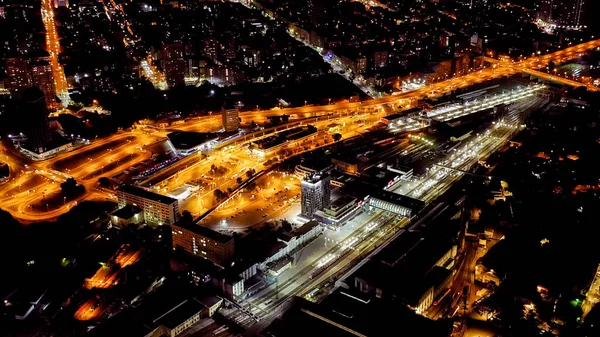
{"type": "Point", "coordinates": [284, 168]}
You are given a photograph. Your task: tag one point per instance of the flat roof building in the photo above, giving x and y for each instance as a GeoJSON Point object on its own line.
{"type": "Point", "coordinates": [404, 114]}
{"type": "Point", "coordinates": [339, 212]}
{"type": "Point", "coordinates": [231, 119]}
{"type": "Point", "coordinates": [157, 209]}
{"type": "Point", "coordinates": [395, 203]}
{"type": "Point", "coordinates": [350, 313]}
{"type": "Point", "coordinates": [168, 310]}
{"type": "Point", "coordinates": [174, 64]}
{"type": "Point", "coordinates": [408, 270]}
{"type": "Point", "coordinates": [204, 242]}
{"type": "Point", "coordinates": [186, 143]}
{"type": "Point", "coordinates": [129, 214]}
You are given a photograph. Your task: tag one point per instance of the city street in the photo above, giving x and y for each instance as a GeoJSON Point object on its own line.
{"type": "Point", "coordinates": [19, 202]}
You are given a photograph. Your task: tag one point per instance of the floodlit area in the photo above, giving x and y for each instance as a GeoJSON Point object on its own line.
{"type": "Point", "coordinates": [457, 110]}
{"type": "Point", "coordinates": [340, 251]}
{"type": "Point", "coordinates": [342, 117]}
{"type": "Point", "coordinates": [108, 274]}
{"type": "Point", "coordinates": [413, 84]}
{"type": "Point", "coordinates": [272, 196]}
{"type": "Point", "coordinates": [156, 77]}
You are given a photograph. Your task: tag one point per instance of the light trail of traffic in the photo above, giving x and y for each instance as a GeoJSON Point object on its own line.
{"type": "Point", "coordinates": [17, 203]}
{"type": "Point", "coordinates": [53, 48]}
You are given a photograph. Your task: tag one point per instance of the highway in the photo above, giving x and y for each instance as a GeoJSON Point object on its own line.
{"type": "Point", "coordinates": [25, 189]}
{"type": "Point", "coordinates": [53, 48]}
{"type": "Point", "coordinates": [534, 64]}
{"type": "Point", "coordinates": [32, 183]}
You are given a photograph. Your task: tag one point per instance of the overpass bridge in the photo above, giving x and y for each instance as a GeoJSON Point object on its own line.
{"type": "Point", "coordinates": [503, 68]}
{"type": "Point", "coordinates": [532, 64]}
{"type": "Point", "coordinates": [539, 74]}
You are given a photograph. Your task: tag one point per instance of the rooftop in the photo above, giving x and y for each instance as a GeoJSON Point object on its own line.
{"type": "Point", "coordinates": [315, 177]}
{"type": "Point", "coordinates": [180, 313]}
{"type": "Point", "coordinates": [203, 231]}
{"type": "Point", "coordinates": [182, 140]}
{"type": "Point", "coordinates": [380, 176]}
{"type": "Point", "coordinates": [406, 113]}
{"type": "Point", "coordinates": [143, 193]}
{"type": "Point", "coordinates": [341, 202]}
{"type": "Point", "coordinates": [209, 301]}
{"type": "Point", "coordinates": [127, 212]}
{"type": "Point", "coordinates": [346, 313]}
{"type": "Point", "coordinates": [299, 231]}
{"type": "Point", "coordinates": [399, 199]}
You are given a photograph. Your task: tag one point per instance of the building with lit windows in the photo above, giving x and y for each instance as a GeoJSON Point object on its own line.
{"type": "Point", "coordinates": [210, 48]}
{"type": "Point", "coordinates": [41, 72]}
{"type": "Point", "coordinates": [201, 241]}
{"type": "Point", "coordinates": [380, 59]}
{"type": "Point", "coordinates": [316, 193]}
{"type": "Point", "coordinates": [230, 49]}
{"type": "Point", "coordinates": [174, 64]}
{"type": "Point", "coordinates": [252, 57]}
{"type": "Point", "coordinates": [36, 120]}
{"type": "Point", "coordinates": [128, 215]}
{"type": "Point", "coordinates": [18, 75]}
{"type": "Point", "coordinates": [564, 13]}
{"type": "Point", "coordinates": [231, 119]}
{"type": "Point", "coordinates": [157, 209]}
{"type": "Point", "coordinates": [412, 269]}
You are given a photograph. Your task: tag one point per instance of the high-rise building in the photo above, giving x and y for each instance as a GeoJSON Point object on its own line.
{"type": "Point", "coordinates": [35, 119]}
{"type": "Point", "coordinates": [191, 69]}
{"type": "Point", "coordinates": [567, 13]}
{"type": "Point", "coordinates": [43, 78]}
{"type": "Point", "coordinates": [18, 75]}
{"type": "Point", "coordinates": [210, 48]}
{"type": "Point", "coordinates": [174, 64]}
{"type": "Point", "coordinates": [230, 49]}
{"type": "Point", "coordinates": [316, 193]}
{"type": "Point", "coordinates": [380, 59]}
{"type": "Point", "coordinates": [231, 119]}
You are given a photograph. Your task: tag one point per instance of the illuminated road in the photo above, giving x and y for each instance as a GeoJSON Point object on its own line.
{"type": "Point", "coordinates": [534, 64]}
{"type": "Point", "coordinates": [592, 296]}
{"type": "Point", "coordinates": [235, 159]}
{"type": "Point", "coordinates": [91, 309]}
{"type": "Point", "coordinates": [53, 48]}
{"type": "Point", "coordinates": [132, 41]}
{"type": "Point", "coordinates": [153, 74]}
{"type": "Point", "coordinates": [25, 187]}
{"type": "Point", "coordinates": [108, 274]}
{"type": "Point", "coordinates": [28, 193]}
